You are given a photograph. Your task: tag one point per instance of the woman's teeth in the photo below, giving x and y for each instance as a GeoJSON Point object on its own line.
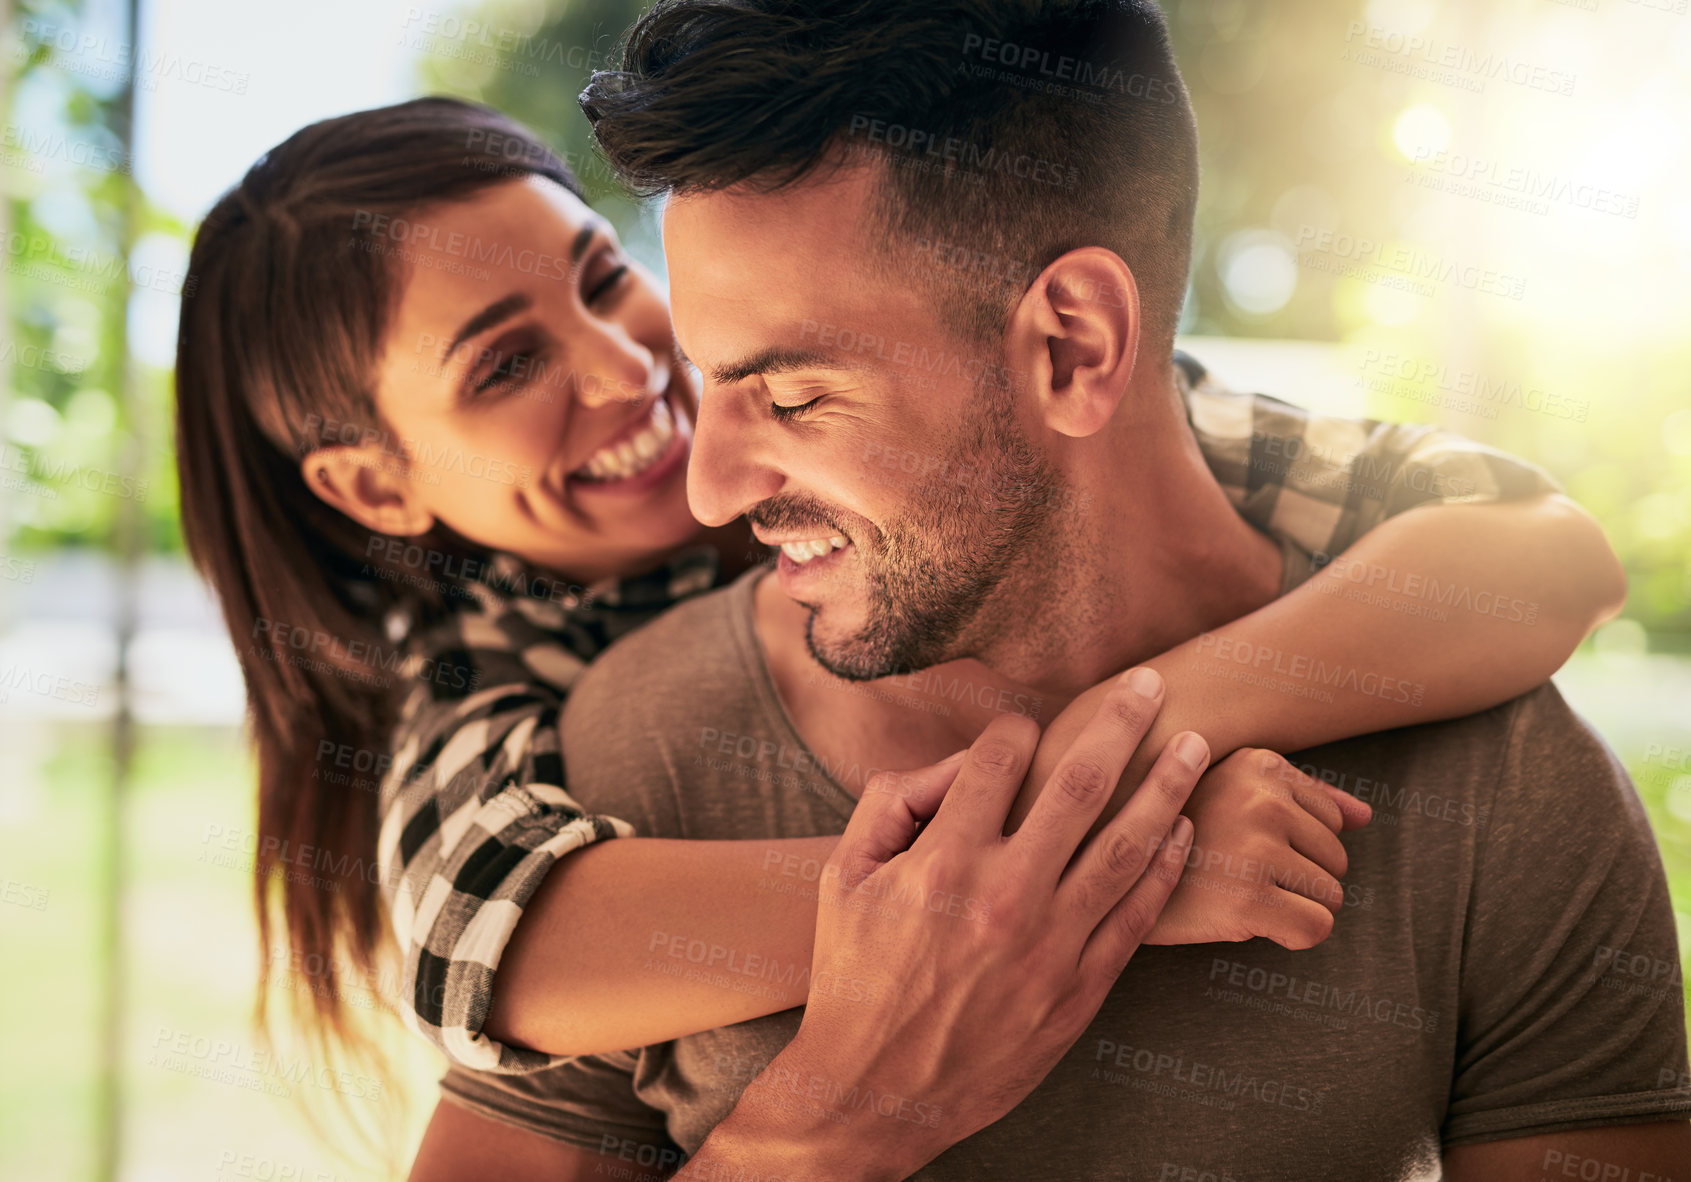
{"type": "Point", "coordinates": [803, 552]}
{"type": "Point", "coordinates": [634, 455]}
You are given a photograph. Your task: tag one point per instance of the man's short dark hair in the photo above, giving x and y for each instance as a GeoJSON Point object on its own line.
{"type": "Point", "coordinates": [1011, 131]}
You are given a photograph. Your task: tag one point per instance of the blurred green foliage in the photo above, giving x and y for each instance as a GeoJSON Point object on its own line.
{"type": "Point", "coordinates": [68, 286]}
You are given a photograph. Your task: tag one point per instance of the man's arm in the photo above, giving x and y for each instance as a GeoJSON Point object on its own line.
{"type": "Point", "coordinates": [1657, 1152]}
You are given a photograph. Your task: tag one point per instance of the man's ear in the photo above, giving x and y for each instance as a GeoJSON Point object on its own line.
{"type": "Point", "coordinates": [1075, 332]}
{"type": "Point", "coordinates": [370, 486]}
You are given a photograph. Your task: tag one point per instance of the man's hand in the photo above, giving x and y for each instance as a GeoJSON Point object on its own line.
{"type": "Point", "coordinates": [954, 966]}
{"type": "Point", "coordinates": [1266, 859]}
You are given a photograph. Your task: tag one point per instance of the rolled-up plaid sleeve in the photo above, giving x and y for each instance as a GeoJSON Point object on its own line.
{"type": "Point", "coordinates": [474, 817]}
{"type": "Point", "coordinates": [1321, 481]}
{"type": "Point", "coordinates": [474, 811]}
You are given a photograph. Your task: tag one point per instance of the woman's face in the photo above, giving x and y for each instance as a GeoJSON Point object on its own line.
{"type": "Point", "coordinates": [533, 380]}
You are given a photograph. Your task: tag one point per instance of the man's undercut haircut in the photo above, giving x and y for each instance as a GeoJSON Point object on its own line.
{"type": "Point", "coordinates": [1009, 131]}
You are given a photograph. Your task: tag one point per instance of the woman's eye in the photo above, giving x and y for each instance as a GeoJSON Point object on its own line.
{"type": "Point", "coordinates": [788, 413]}
{"type": "Point", "coordinates": [602, 280]}
{"type": "Point", "coordinates": [510, 368]}
{"type": "Point", "coordinates": [516, 363]}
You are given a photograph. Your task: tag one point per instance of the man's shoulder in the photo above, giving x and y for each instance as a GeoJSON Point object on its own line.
{"type": "Point", "coordinates": [702, 641]}
{"type": "Point", "coordinates": [654, 692]}
{"type": "Point", "coordinates": [1530, 757]}
{"type": "Point", "coordinates": [1538, 738]}
{"type": "Point", "coordinates": [1538, 721]}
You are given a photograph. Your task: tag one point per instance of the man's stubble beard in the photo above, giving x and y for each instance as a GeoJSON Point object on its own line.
{"type": "Point", "coordinates": [941, 561]}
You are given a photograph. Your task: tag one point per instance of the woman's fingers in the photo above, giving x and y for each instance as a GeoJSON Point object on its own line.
{"type": "Point", "coordinates": [923, 788]}
{"type": "Point", "coordinates": [1357, 813]}
{"type": "Point", "coordinates": [1319, 844]}
{"type": "Point", "coordinates": [1297, 875]}
{"type": "Point", "coordinates": [1301, 923]}
{"type": "Point", "coordinates": [1333, 806]}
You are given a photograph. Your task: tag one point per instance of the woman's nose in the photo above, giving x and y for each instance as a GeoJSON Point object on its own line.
{"type": "Point", "coordinates": [618, 369]}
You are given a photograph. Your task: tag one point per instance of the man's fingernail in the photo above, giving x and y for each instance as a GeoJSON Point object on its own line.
{"type": "Point", "coordinates": [1146, 683]}
{"type": "Point", "coordinates": [1191, 750]}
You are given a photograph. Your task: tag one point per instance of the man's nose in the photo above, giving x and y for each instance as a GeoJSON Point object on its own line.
{"type": "Point", "coordinates": [616, 368]}
{"type": "Point", "coordinates": [730, 469]}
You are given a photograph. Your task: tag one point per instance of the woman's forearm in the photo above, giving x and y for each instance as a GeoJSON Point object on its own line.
{"type": "Point", "coordinates": [641, 940]}
{"type": "Point", "coordinates": [1437, 612]}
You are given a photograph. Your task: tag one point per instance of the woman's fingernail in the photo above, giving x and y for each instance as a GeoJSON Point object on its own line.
{"type": "Point", "coordinates": [1145, 682]}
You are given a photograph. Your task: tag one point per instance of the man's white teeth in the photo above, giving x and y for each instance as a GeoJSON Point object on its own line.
{"type": "Point", "coordinates": [802, 552]}
{"type": "Point", "coordinates": [633, 456]}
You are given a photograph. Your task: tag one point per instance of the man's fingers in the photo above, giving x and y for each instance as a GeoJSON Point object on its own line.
{"type": "Point", "coordinates": [1086, 776]}
{"type": "Point", "coordinates": [1118, 936]}
{"type": "Point", "coordinates": [986, 784]}
{"type": "Point", "coordinates": [922, 788]}
{"type": "Point", "coordinates": [885, 820]}
{"type": "Point", "coordinates": [1113, 860]}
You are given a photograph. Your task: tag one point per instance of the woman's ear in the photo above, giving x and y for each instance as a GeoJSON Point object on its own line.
{"type": "Point", "coordinates": [370, 486]}
{"type": "Point", "coordinates": [1075, 332]}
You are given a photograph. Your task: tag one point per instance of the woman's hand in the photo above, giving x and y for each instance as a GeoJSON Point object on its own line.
{"type": "Point", "coordinates": [1265, 856]}
{"type": "Point", "coordinates": [1266, 859]}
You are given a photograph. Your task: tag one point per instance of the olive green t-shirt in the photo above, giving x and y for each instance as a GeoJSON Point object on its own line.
{"type": "Point", "coordinates": [1505, 963]}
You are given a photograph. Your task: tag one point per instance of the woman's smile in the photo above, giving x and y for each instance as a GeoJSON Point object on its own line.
{"type": "Point", "coordinates": [639, 457]}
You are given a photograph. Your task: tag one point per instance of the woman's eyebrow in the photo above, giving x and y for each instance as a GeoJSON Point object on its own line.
{"type": "Point", "coordinates": [584, 237]}
{"type": "Point", "coordinates": [485, 319]}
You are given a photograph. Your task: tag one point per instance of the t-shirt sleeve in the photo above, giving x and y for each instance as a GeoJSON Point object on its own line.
{"type": "Point", "coordinates": [1321, 482]}
{"type": "Point", "coordinates": [476, 816]}
{"type": "Point", "coordinates": [1572, 1005]}
{"type": "Point", "coordinates": [588, 1101]}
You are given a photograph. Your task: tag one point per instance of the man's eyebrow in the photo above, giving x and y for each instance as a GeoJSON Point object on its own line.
{"type": "Point", "coordinates": [486, 319]}
{"type": "Point", "coordinates": [778, 359]}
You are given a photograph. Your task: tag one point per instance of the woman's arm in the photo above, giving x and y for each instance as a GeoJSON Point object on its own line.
{"type": "Point", "coordinates": [591, 966]}
{"type": "Point", "coordinates": [1418, 503]}
{"type": "Point", "coordinates": [601, 957]}
{"type": "Point", "coordinates": [1436, 613]}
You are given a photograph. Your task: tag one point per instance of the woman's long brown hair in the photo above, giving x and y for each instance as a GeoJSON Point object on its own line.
{"type": "Point", "coordinates": [293, 280]}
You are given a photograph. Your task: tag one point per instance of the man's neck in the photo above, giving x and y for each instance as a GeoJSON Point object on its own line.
{"type": "Point", "coordinates": [1151, 556]}
{"type": "Point", "coordinates": [894, 722]}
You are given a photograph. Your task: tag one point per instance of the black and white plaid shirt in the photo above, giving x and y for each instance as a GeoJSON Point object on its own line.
{"type": "Point", "coordinates": [474, 807]}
